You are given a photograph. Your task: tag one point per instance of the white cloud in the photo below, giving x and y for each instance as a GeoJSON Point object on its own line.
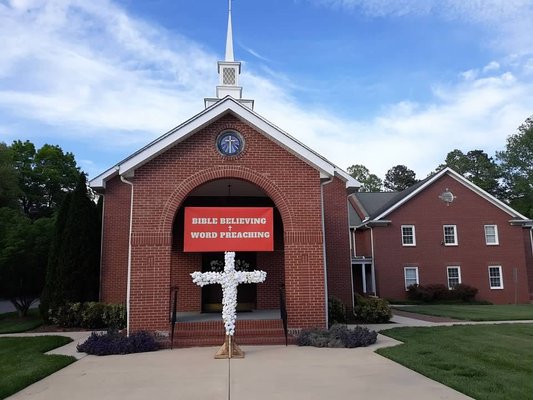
{"type": "Point", "coordinates": [508, 20]}
{"type": "Point", "coordinates": [89, 66]}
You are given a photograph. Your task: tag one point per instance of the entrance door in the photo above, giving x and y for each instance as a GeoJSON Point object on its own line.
{"type": "Point", "coordinates": [246, 293]}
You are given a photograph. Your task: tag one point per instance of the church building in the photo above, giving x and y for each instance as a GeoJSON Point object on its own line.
{"type": "Point", "coordinates": [227, 156]}
{"type": "Point", "coordinates": [227, 179]}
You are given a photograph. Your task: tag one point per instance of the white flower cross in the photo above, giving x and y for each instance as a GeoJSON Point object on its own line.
{"type": "Point", "coordinates": [229, 279]}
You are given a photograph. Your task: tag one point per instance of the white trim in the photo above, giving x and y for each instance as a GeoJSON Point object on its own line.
{"type": "Point", "coordinates": [202, 119]}
{"type": "Point", "coordinates": [405, 275]}
{"type": "Point", "coordinates": [499, 267]}
{"type": "Point", "coordinates": [455, 238]}
{"type": "Point", "coordinates": [448, 275]}
{"type": "Point", "coordinates": [497, 240]}
{"type": "Point", "coordinates": [461, 179]}
{"type": "Point", "coordinates": [413, 233]}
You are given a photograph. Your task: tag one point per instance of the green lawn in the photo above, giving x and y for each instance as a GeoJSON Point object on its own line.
{"type": "Point", "coordinates": [12, 323]}
{"type": "Point", "coordinates": [22, 361]}
{"type": "Point", "coordinates": [483, 361]}
{"type": "Point", "coordinates": [504, 312]}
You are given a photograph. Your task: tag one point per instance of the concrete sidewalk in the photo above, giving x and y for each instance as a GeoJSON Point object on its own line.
{"type": "Point", "coordinates": [267, 372]}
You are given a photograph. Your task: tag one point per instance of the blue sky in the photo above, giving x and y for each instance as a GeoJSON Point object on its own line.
{"type": "Point", "coordinates": [379, 83]}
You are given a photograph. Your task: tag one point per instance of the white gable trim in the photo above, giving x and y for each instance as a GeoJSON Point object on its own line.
{"type": "Point", "coordinates": [224, 106]}
{"type": "Point", "coordinates": [461, 179]}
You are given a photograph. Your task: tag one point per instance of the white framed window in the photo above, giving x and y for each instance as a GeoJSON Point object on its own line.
{"type": "Point", "coordinates": [454, 276]}
{"type": "Point", "coordinates": [408, 235]}
{"type": "Point", "coordinates": [495, 277]}
{"type": "Point", "coordinates": [450, 235]}
{"type": "Point", "coordinates": [491, 235]}
{"type": "Point", "coordinates": [411, 276]}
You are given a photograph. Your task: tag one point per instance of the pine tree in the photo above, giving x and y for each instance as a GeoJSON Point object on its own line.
{"type": "Point", "coordinates": [73, 266]}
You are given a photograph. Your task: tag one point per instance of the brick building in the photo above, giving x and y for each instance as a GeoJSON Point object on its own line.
{"type": "Point", "coordinates": [225, 156]}
{"type": "Point", "coordinates": [443, 230]}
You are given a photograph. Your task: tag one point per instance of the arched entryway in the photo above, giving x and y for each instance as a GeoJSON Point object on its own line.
{"type": "Point", "coordinates": [227, 192]}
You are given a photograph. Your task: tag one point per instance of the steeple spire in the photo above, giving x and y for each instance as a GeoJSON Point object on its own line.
{"type": "Point", "coordinates": [229, 37]}
{"type": "Point", "coordinates": [228, 72]}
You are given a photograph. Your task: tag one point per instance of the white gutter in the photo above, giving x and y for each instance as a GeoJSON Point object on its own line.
{"type": "Point", "coordinates": [128, 291]}
{"type": "Point", "coordinates": [322, 184]}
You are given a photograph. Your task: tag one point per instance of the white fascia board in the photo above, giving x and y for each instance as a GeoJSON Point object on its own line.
{"type": "Point", "coordinates": [202, 119]}
{"type": "Point", "coordinates": [99, 181]}
{"type": "Point", "coordinates": [461, 179]}
{"type": "Point", "coordinates": [411, 195]}
{"type": "Point", "coordinates": [487, 196]}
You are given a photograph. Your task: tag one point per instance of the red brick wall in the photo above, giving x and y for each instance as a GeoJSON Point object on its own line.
{"type": "Point", "coordinates": [363, 246]}
{"type": "Point", "coordinates": [160, 187]}
{"type": "Point", "coordinates": [469, 212]}
{"type": "Point", "coordinates": [338, 241]}
{"type": "Point", "coordinates": [116, 222]}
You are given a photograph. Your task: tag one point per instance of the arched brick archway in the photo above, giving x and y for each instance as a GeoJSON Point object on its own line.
{"type": "Point", "coordinates": [184, 188]}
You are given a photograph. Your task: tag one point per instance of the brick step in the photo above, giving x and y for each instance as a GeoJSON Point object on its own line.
{"type": "Point", "coordinates": [220, 332]}
{"type": "Point", "coordinates": [211, 333]}
{"type": "Point", "coordinates": [214, 341]}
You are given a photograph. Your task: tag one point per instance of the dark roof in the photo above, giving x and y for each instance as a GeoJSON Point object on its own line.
{"type": "Point", "coordinates": [375, 203]}
{"type": "Point", "coordinates": [354, 218]}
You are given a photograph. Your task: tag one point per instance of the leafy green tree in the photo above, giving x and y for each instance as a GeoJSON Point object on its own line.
{"type": "Point", "coordinates": [399, 178]}
{"type": "Point", "coordinates": [517, 165]}
{"type": "Point", "coordinates": [9, 190]}
{"type": "Point", "coordinates": [369, 182]}
{"type": "Point", "coordinates": [74, 262]}
{"type": "Point", "coordinates": [24, 248]}
{"type": "Point", "coordinates": [478, 167]}
{"type": "Point", "coordinates": [45, 177]}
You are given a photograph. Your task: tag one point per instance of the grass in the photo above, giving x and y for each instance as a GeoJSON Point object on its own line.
{"type": "Point", "coordinates": [12, 323]}
{"type": "Point", "coordinates": [22, 361]}
{"type": "Point", "coordinates": [501, 312]}
{"type": "Point", "coordinates": [492, 362]}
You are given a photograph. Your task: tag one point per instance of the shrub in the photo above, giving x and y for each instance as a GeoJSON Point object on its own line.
{"type": "Point", "coordinates": [336, 311]}
{"type": "Point", "coordinates": [438, 293]}
{"type": "Point", "coordinates": [91, 315]}
{"type": "Point", "coordinates": [112, 342]}
{"type": "Point", "coordinates": [67, 315]}
{"type": "Point", "coordinates": [337, 336]}
{"type": "Point", "coordinates": [114, 316]}
{"type": "Point", "coordinates": [465, 293]}
{"type": "Point", "coordinates": [372, 309]}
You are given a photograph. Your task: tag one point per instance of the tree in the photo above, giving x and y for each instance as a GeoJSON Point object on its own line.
{"type": "Point", "coordinates": [369, 182]}
{"type": "Point", "coordinates": [477, 167]}
{"type": "Point", "coordinates": [74, 261]}
{"type": "Point", "coordinates": [399, 178]}
{"type": "Point", "coordinates": [517, 166]}
{"type": "Point", "coordinates": [45, 177]}
{"type": "Point", "coordinates": [9, 190]}
{"type": "Point", "coordinates": [24, 248]}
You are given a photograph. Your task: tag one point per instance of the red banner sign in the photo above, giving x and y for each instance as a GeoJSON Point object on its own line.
{"type": "Point", "coordinates": [228, 229]}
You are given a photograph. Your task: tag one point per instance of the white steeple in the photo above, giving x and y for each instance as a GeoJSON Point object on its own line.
{"type": "Point", "coordinates": [228, 72]}
{"type": "Point", "coordinates": [229, 37]}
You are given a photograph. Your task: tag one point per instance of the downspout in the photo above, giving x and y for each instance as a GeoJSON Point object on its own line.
{"type": "Point", "coordinates": [101, 247]}
{"type": "Point", "coordinates": [322, 184]}
{"type": "Point", "coordinates": [128, 290]}
{"type": "Point", "coordinates": [373, 261]}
